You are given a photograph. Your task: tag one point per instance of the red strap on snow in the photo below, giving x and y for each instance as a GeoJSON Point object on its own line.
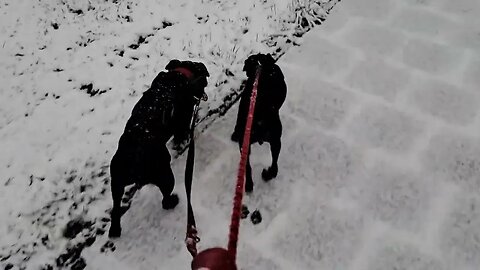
{"type": "Point", "coordinates": [240, 187]}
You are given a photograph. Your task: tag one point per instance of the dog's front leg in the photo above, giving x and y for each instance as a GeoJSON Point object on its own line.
{"type": "Point", "coordinates": [116, 214]}
{"type": "Point", "coordinates": [166, 185]}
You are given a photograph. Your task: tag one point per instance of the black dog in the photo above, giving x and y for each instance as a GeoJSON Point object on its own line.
{"type": "Point", "coordinates": [266, 127]}
{"type": "Point", "coordinates": [164, 110]}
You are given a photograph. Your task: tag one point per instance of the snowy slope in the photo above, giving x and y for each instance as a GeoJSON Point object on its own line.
{"type": "Point", "coordinates": [72, 70]}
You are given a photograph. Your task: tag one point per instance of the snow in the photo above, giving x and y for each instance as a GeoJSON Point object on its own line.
{"type": "Point", "coordinates": [71, 72]}
{"type": "Point", "coordinates": [380, 162]}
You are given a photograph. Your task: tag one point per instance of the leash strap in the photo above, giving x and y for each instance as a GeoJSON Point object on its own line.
{"type": "Point", "coordinates": [191, 238]}
{"type": "Point", "coordinates": [240, 187]}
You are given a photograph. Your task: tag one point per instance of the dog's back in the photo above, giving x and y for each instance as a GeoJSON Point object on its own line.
{"type": "Point", "coordinates": [273, 89]}
{"type": "Point", "coordinates": [141, 152]}
{"type": "Point", "coordinates": [152, 116]}
{"type": "Point", "coordinates": [271, 94]}
{"type": "Point", "coordinates": [266, 126]}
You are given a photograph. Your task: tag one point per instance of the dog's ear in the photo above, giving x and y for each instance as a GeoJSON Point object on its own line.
{"type": "Point", "coordinates": [200, 79]}
{"type": "Point", "coordinates": [250, 65]}
{"type": "Point", "coordinates": [202, 74]}
{"type": "Point", "coordinates": [266, 60]}
{"type": "Point", "coordinates": [269, 60]}
{"type": "Point", "coordinates": [201, 69]}
{"type": "Point", "coordinates": [173, 64]}
{"type": "Point", "coordinates": [200, 82]}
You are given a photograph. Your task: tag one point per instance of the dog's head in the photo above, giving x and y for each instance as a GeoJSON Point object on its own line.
{"type": "Point", "coordinates": [252, 62]}
{"type": "Point", "coordinates": [196, 72]}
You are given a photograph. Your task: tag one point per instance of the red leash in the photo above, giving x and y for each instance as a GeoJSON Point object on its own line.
{"type": "Point", "coordinates": [240, 188]}
{"type": "Point", "coordinates": [191, 237]}
{"type": "Point", "coordinates": [220, 258]}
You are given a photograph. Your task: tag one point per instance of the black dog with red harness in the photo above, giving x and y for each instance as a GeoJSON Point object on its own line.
{"type": "Point", "coordinates": [266, 127]}
{"type": "Point", "coordinates": [163, 111]}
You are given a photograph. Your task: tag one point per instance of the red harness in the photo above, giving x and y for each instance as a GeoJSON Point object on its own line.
{"type": "Point", "coordinates": [185, 72]}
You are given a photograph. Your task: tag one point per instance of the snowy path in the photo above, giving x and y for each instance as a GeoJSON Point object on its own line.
{"type": "Point", "coordinates": [380, 166]}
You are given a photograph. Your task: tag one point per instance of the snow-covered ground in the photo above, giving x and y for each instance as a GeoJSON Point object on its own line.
{"type": "Point", "coordinates": [71, 72]}
{"type": "Point", "coordinates": [380, 165]}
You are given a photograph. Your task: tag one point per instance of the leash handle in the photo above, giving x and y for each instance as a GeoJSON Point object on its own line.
{"type": "Point", "coordinates": [240, 187]}
{"type": "Point", "coordinates": [191, 240]}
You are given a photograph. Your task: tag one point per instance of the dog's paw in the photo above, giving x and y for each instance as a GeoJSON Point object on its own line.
{"type": "Point", "coordinates": [270, 173]}
{"type": "Point", "coordinates": [108, 246]}
{"type": "Point", "coordinates": [256, 217]}
{"type": "Point", "coordinates": [245, 212]}
{"type": "Point", "coordinates": [115, 232]}
{"type": "Point", "coordinates": [170, 202]}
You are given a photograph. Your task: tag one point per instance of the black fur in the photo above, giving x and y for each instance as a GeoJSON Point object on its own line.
{"type": "Point", "coordinates": [266, 127]}
{"type": "Point", "coordinates": [142, 157]}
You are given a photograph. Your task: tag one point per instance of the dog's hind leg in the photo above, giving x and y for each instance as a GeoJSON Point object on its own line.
{"type": "Point", "coordinates": [166, 185]}
{"type": "Point", "coordinates": [271, 172]}
{"type": "Point", "coordinates": [116, 214]}
{"type": "Point", "coordinates": [248, 180]}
